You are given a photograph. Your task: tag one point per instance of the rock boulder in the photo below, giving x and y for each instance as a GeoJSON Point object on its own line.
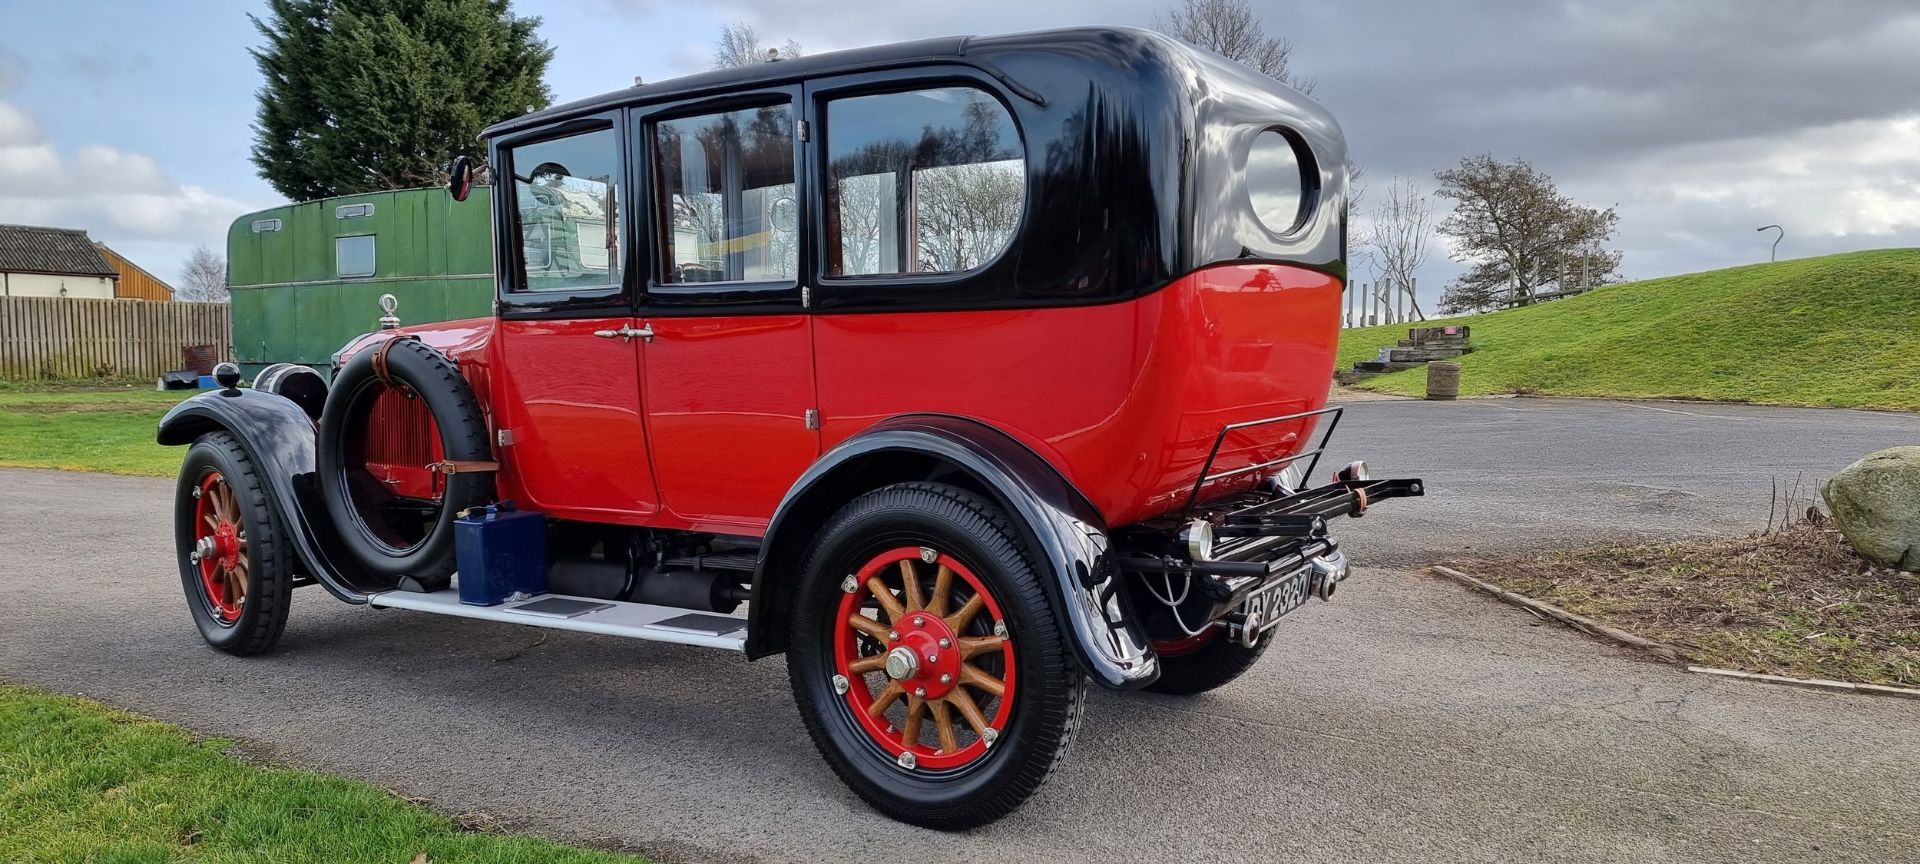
{"type": "Point", "coordinates": [1876, 503]}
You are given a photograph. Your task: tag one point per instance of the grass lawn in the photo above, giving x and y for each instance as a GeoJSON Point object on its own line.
{"type": "Point", "coordinates": [1837, 331]}
{"type": "Point", "coordinates": [82, 782]}
{"type": "Point", "coordinates": [1797, 602]}
{"type": "Point", "coordinates": [94, 428]}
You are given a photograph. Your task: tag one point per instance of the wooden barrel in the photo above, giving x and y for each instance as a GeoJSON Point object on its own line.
{"type": "Point", "coordinates": [1443, 380]}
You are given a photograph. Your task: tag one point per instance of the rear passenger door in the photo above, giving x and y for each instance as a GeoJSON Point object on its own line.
{"type": "Point", "coordinates": [728, 369]}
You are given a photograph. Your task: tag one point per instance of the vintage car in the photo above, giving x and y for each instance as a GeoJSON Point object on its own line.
{"type": "Point", "coordinates": [973, 367]}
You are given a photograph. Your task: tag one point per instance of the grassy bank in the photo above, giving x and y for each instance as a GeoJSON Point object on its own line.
{"type": "Point", "coordinates": [1797, 602]}
{"type": "Point", "coordinates": [91, 429]}
{"type": "Point", "coordinates": [82, 782]}
{"type": "Point", "coordinates": [1836, 331]}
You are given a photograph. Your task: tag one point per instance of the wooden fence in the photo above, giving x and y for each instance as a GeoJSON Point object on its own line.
{"type": "Point", "coordinates": [1378, 303]}
{"type": "Point", "coordinates": [63, 337]}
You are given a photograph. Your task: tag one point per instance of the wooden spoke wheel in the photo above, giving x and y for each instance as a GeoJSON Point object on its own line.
{"type": "Point", "coordinates": [926, 658]}
{"type": "Point", "coordinates": [235, 568]}
{"type": "Point", "coordinates": [923, 658]}
{"type": "Point", "coordinates": [220, 548]}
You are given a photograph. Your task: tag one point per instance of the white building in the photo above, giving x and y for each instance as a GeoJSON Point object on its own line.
{"type": "Point", "coordinates": [52, 262]}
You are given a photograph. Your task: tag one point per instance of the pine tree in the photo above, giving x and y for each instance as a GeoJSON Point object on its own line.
{"type": "Point", "coordinates": [362, 95]}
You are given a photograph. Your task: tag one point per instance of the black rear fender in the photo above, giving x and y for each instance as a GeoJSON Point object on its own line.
{"type": "Point", "coordinates": [1062, 530]}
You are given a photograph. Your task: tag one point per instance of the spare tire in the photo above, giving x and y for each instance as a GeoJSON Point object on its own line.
{"type": "Point", "coordinates": [394, 409]}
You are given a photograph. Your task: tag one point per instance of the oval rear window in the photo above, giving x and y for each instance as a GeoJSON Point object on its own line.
{"type": "Point", "coordinates": [1276, 182]}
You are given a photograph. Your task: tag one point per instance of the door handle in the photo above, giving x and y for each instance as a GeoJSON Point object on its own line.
{"type": "Point", "coordinates": [626, 334]}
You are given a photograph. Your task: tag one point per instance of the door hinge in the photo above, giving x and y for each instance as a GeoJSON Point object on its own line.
{"type": "Point", "coordinates": [503, 437]}
{"type": "Point", "coordinates": [800, 130]}
{"type": "Point", "coordinates": [806, 297]}
{"type": "Point", "coordinates": [813, 418]}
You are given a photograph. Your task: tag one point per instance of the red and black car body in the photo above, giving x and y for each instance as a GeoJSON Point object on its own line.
{"type": "Point", "coordinates": [1135, 379]}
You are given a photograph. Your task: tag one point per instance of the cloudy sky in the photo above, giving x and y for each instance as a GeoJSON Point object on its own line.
{"type": "Point", "coordinates": [1699, 119]}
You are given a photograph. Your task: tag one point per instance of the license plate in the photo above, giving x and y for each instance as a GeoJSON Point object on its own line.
{"type": "Point", "coordinates": [1264, 608]}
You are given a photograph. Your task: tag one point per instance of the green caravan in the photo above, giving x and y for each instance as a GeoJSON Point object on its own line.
{"type": "Point", "coordinates": [307, 277]}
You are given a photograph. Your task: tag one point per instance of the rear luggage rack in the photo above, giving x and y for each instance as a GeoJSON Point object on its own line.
{"type": "Point", "coordinates": [1259, 529]}
{"type": "Point", "coordinates": [1213, 452]}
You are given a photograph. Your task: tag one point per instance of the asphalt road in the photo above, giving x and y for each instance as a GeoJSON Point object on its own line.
{"type": "Point", "coordinates": [1407, 721]}
{"type": "Point", "coordinates": [1505, 474]}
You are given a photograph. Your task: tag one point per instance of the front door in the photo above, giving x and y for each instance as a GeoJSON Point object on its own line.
{"type": "Point", "coordinates": [728, 369]}
{"type": "Point", "coordinates": [569, 383]}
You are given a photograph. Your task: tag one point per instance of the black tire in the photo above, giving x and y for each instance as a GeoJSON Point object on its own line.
{"type": "Point", "coordinates": [1213, 664]}
{"type": "Point", "coordinates": [268, 560]}
{"type": "Point", "coordinates": [1045, 706]}
{"type": "Point", "coordinates": [431, 377]}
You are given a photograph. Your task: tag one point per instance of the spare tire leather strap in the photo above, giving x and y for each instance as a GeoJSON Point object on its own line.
{"type": "Point", "coordinates": [380, 360]}
{"type": "Point", "coordinates": [462, 466]}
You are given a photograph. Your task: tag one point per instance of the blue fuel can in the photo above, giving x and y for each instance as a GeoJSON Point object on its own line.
{"type": "Point", "coordinates": [500, 552]}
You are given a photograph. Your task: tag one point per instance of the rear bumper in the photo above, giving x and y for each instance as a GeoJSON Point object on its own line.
{"type": "Point", "coordinates": [1262, 538]}
{"type": "Point", "coordinates": [1244, 562]}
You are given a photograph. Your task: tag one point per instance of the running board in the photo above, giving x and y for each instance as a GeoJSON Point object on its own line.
{"type": "Point", "coordinates": [586, 615]}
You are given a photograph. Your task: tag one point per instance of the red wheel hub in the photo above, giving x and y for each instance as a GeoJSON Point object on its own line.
{"type": "Point", "coordinates": [226, 544]}
{"type": "Point", "coordinates": [220, 547]}
{"type": "Point", "coordinates": [927, 675]}
{"type": "Point", "coordinates": [936, 666]}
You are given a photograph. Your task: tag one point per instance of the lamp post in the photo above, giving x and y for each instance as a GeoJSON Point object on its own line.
{"type": "Point", "coordinates": [1774, 253]}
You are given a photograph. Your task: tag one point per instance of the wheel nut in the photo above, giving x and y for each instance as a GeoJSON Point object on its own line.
{"type": "Point", "coordinates": [893, 635]}
{"type": "Point", "coordinates": [849, 584]}
{"type": "Point", "coordinates": [902, 664]}
{"type": "Point", "coordinates": [920, 692]}
{"type": "Point", "coordinates": [1000, 629]}
{"type": "Point", "coordinates": [907, 761]}
{"type": "Point", "coordinates": [989, 736]}
{"type": "Point", "coordinates": [928, 555]}
{"type": "Point", "coordinates": [946, 678]}
{"type": "Point", "coordinates": [919, 621]}
{"type": "Point", "coordinates": [197, 492]}
{"type": "Point", "coordinates": [840, 684]}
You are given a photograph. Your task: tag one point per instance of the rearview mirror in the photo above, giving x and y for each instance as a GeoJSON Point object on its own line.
{"type": "Point", "coordinates": [460, 178]}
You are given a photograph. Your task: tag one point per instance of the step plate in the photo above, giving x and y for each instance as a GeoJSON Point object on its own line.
{"type": "Point", "coordinates": [630, 620]}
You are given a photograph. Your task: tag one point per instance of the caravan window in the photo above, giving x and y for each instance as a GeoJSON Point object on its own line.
{"type": "Point", "coordinates": [353, 256]}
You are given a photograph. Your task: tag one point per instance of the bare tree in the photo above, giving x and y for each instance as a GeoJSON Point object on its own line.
{"type": "Point", "coordinates": [1518, 234]}
{"type": "Point", "coordinates": [204, 279]}
{"type": "Point", "coordinates": [1229, 28]}
{"type": "Point", "coordinates": [1397, 238]}
{"type": "Point", "coordinates": [739, 45]}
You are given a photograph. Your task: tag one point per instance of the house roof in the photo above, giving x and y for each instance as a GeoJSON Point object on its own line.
{"type": "Point", "coordinates": [55, 251]}
{"type": "Point", "coordinates": [118, 260]}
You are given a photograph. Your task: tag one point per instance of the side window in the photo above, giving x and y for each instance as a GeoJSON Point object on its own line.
{"type": "Point", "coordinates": [726, 196]}
{"type": "Point", "coordinates": [566, 198]}
{"type": "Point", "coordinates": [924, 181]}
{"type": "Point", "coordinates": [353, 256]}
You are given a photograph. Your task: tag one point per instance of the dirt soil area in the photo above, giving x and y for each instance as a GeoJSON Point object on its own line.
{"type": "Point", "coordinates": [1797, 601]}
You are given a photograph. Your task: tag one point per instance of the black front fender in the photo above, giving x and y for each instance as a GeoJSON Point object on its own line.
{"type": "Point", "coordinates": [278, 436]}
{"type": "Point", "coordinates": [1060, 527]}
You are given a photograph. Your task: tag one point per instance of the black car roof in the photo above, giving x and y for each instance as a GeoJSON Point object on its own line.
{"type": "Point", "coordinates": [758, 74]}
{"type": "Point", "coordinates": [838, 62]}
